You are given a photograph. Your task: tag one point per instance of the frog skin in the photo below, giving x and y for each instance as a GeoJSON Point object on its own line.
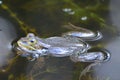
{"type": "Point", "coordinates": [72, 44]}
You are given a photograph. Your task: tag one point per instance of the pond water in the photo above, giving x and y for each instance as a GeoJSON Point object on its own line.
{"type": "Point", "coordinates": [111, 68]}
{"type": "Point", "coordinates": [50, 18]}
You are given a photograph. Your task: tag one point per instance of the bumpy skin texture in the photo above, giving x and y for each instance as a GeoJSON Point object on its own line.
{"type": "Point", "coordinates": [70, 44]}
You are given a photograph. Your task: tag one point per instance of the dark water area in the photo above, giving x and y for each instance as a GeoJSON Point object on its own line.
{"type": "Point", "coordinates": [50, 18]}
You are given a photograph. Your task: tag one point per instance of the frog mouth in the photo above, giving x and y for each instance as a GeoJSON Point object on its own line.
{"type": "Point", "coordinates": [21, 50]}
{"type": "Point", "coordinates": [24, 50]}
{"type": "Point", "coordinates": [17, 48]}
{"type": "Point", "coordinates": [25, 47]}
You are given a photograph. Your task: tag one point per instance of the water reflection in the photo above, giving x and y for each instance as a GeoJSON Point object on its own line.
{"type": "Point", "coordinates": [7, 35]}
{"type": "Point", "coordinates": [0, 2]}
{"type": "Point", "coordinates": [111, 69]}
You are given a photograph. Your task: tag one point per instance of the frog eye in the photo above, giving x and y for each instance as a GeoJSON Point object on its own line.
{"type": "Point", "coordinates": [32, 41]}
{"type": "Point", "coordinates": [30, 35]}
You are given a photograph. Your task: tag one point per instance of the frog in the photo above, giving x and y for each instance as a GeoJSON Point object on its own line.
{"type": "Point", "coordinates": [73, 44]}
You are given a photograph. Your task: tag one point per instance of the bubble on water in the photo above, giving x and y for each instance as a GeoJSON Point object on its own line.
{"type": "Point", "coordinates": [84, 18]}
{"type": "Point", "coordinates": [69, 11]}
{"type": "Point", "coordinates": [1, 2]}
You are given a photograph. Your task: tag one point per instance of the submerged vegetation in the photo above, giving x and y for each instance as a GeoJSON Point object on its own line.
{"type": "Point", "coordinates": [54, 14]}
{"type": "Point", "coordinates": [48, 18]}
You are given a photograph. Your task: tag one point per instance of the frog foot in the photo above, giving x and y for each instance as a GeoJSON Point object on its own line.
{"type": "Point", "coordinates": [86, 35]}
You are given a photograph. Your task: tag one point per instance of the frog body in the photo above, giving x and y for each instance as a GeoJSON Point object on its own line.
{"type": "Point", "coordinates": [71, 44]}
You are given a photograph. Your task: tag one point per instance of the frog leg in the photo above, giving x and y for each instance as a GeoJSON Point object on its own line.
{"type": "Point", "coordinates": [31, 56]}
{"type": "Point", "coordinates": [94, 57]}
{"type": "Point", "coordinates": [98, 56]}
{"type": "Point", "coordinates": [82, 33]}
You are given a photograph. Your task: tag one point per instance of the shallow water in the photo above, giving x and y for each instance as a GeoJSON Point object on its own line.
{"type": "Point", "coordinates": [46, 19]}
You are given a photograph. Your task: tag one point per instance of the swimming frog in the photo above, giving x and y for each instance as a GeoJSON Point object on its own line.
{"type": "Point", "coordinates": [72, 44]}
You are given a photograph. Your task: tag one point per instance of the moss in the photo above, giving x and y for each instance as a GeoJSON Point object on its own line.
{"type": "Point", "coordinates": [21, 77]}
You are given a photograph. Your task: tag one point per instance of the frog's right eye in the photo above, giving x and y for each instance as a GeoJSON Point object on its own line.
{"type": "Point", "coordinates": [32, 41]}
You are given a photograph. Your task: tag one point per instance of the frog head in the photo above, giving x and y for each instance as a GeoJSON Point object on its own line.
{"type": "Point", "coordinates": [28, 43]}
{"type": "Point", "coordinates": [29, 46]}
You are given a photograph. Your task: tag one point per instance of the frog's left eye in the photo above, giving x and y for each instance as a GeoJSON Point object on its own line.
{"type": "Point", "coordinates": [30, 35]}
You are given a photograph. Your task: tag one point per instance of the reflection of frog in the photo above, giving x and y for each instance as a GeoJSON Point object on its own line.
{"type": "Point", "coordinates": [69, 44]}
